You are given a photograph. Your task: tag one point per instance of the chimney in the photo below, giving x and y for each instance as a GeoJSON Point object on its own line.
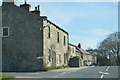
{"type": "Point", "coordinates": [37, 10]}
{"type": "Point", "coordinates": [25, 6]}
{"type": "Point", "coordinates": [38, 7]}
{"type": "Point", "coordinates": [79, 45]}
{"type": "Point", "coordinates": [8, 2]}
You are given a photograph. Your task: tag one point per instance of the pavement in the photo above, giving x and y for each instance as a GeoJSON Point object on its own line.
{"type": "Point", "coordinates": [109, 72]}
{"type": "Point", "coordinates": [44, 74]}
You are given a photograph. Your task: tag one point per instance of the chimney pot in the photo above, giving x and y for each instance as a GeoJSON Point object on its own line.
{"type": "Point", "coordinates": [38, 7]}
{"type": "Point", "coordinates": [79, 45]}
{"type": "Point", "coordinates": [35, 8]}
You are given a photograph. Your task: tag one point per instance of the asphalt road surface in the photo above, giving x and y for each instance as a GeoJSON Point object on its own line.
{"type": "Point", "coordinates": [83, 72]}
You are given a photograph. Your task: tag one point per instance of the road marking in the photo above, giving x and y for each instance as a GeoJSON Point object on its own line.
{"type": "Point", "coordinates": [103, 73]}
{"type": "Point", "coordinates": [107, 68]}
{"type": "Point", "coordinates": [102, 76]}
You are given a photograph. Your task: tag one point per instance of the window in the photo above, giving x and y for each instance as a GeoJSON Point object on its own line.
{"type": "Point", "coordinates": [52, 60]}
{"type": "Point", "coordinates": [64, 58]}
{"type": "Point", "coordinates": [58, 35]}
{"type": "Point", "coordinates": [64, 40]}
{"type": "Point", "coordinates": [73, 50]}
{"type": "Point", "coordinates": [82, 56]}
{"type": "Point", "coordinates": [49, 55]}
{"type": "Point", "coordinates": [48, 32]}
{"type": "Point", "coordinates": [5, 31]}
{"type": "Point", "coordinates": [58, 58]}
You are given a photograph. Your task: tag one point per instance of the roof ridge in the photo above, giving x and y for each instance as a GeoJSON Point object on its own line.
{"type": "Point", "coordinates": [82, 50]}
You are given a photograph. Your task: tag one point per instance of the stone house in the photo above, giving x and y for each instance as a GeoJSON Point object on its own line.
{"type": "Point", "coordinates": [55, 45]}
{"type": "Point", "coordinates": [72, 51]}
{"type": "Point", "coordinates": [85, 56]}
{"type": "Point", "coordinates": [30, 42]}
{"type": "Point", "coordinates": [79, 57]}
{"type": "Point", "coordinates": [75, 54]}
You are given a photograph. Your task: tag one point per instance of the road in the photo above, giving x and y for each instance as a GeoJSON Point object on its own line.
{"type": "Point", "coordinates": [83, 72]}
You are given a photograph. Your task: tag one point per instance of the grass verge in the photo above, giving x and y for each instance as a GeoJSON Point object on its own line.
{"type": "Point", "coordinates": [6, 77]}
{"type": "Point", "coordinates": [54, 68]}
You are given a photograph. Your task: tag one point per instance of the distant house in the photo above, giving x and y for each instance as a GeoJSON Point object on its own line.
{"type": "Point", "coordinates": [94, 55]}
{"type": "Point", "coordinates": [85, 56]}
{"type": "Point", "coordinates": [79, 57]}
{"type": "Point", "coordinates": [31, 42]}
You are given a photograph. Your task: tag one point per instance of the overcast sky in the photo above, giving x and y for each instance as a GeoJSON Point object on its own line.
{"type": "Point", "coordinates": [87, 23]}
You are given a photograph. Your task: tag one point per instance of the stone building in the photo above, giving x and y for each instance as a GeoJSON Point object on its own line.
{"type": "Point", "coordinates": [30, 42]}
{"type": "Point", "coordinates": [79, 57]}
{"type": "Point", "coordinates": [74, 57]}
{"type": "Point", "coordinates": [85, 56]}
{"type": "Point", "coordinates": [72, 51]}
{"type": "Point", "coordinates": [55, 45]}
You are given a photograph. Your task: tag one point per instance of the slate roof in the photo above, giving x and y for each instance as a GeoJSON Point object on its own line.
{"type": "Point", "coordinates": [54, 24]}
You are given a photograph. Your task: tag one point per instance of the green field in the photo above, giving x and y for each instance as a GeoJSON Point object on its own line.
{"type": "Point", "coordinates": [6, 77]}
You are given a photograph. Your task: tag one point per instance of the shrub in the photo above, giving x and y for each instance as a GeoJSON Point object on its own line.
{"type": "Point", "coordinates": [53, 68]}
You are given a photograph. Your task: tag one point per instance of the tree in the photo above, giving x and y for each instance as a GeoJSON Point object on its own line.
{"type": "Point", "coordinates": [110, 48]}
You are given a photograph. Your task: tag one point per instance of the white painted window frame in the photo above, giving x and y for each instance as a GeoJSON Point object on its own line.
{"type": "Point", "coordinates": [2, 31]}
{"type": "Point", "coordinates": [58, 58]}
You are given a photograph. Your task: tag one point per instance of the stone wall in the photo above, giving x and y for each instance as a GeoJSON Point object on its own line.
{"type": "Point", "coordinates": [74, 62]}
{"type": "Point", "coordinates": [56, 48]}
{"type": "Point", "coordinates": [25, 41]}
